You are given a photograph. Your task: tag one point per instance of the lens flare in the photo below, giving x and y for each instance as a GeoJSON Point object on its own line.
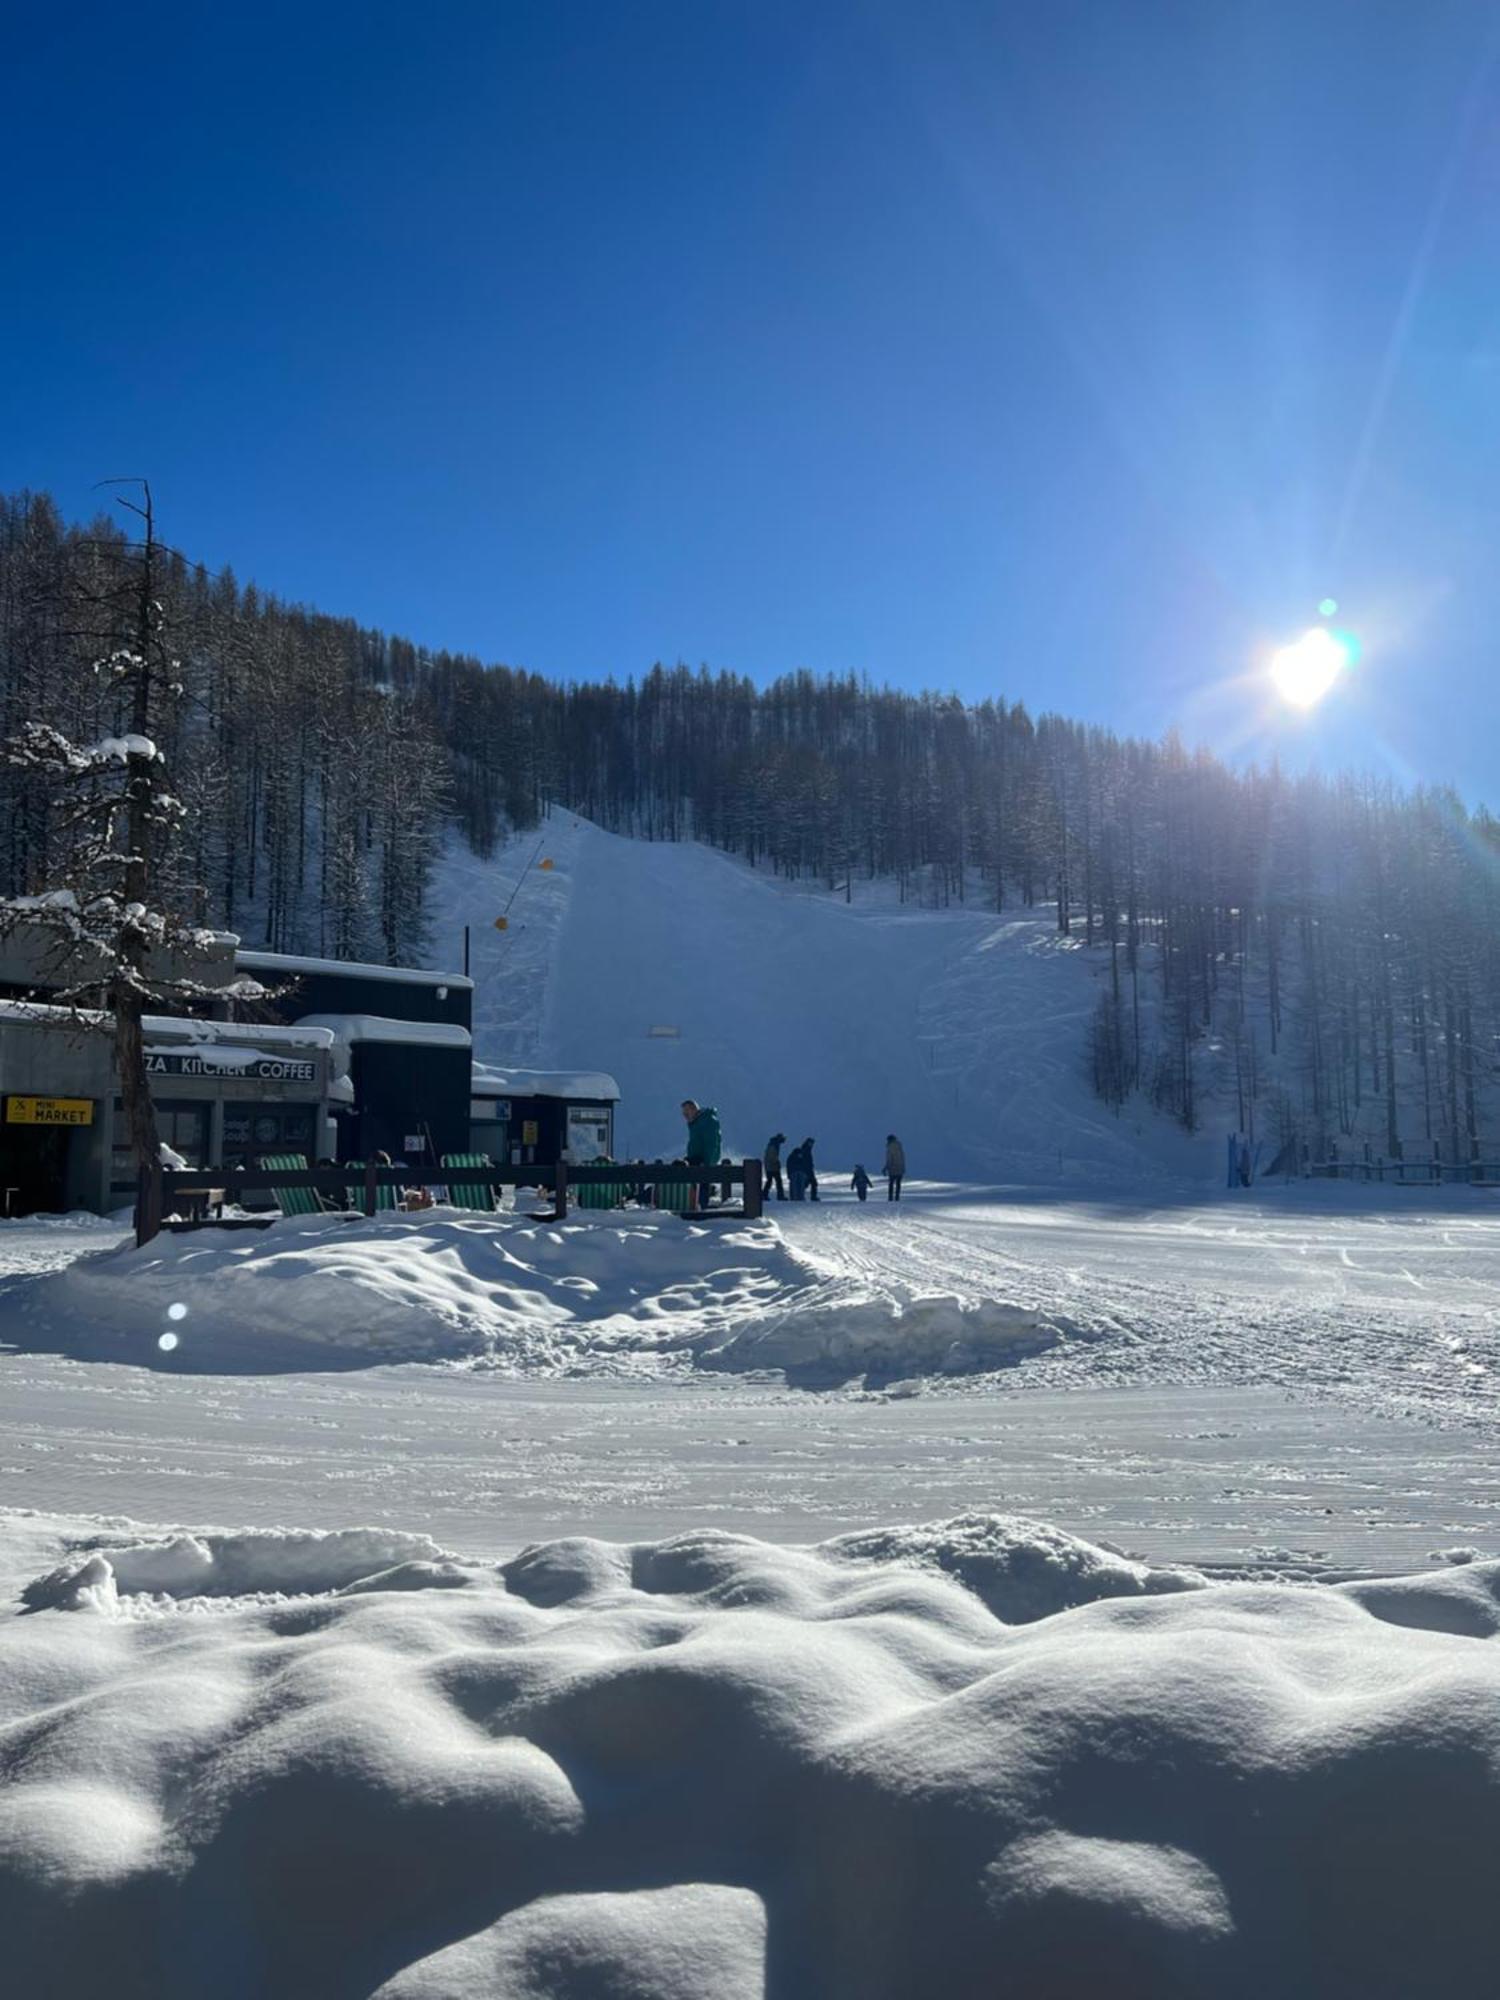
{"type": "Point", "coordinates": [166, 1342]}
{"type": "Point", "coordinates": [178, 1311]}
{"type": "Point", "coordinates": [1306, 670]}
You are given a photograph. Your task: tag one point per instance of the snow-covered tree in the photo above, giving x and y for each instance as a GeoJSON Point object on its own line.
{"type": "Point", "coordinates": [112, 920]}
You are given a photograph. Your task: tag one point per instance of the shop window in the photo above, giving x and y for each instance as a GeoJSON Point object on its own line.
{"type": "Point", "coordinates": [251, 1130]}
{"type": "Point", "coordinates": [183, 1125]}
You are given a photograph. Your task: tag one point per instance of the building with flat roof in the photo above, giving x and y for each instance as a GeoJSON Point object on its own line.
{"type": "Point", "coordinates": [536, 1117]}
{"type": "Point", "coordinates": [225, 1093]}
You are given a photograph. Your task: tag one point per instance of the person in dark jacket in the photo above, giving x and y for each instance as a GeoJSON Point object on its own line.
{"type": "Point", "coordinates": [860, 1182]}
{"type": "Point", "coordinates": [796, 1173]}
{"type": "Point", "coordinates": [772, 1165]}
{"type": "Point", "coordinates": [895, 1166]}
{"type": "Point", "coordinates": [704, 1140]}
{"type": "Point", "coordinates": [810, 1170]}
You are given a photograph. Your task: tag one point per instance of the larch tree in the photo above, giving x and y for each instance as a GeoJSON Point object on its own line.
{"type": "Point", "coordinates": [110, 906]}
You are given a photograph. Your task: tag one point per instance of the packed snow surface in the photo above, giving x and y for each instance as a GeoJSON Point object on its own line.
{"type": "Point", "coordinates": [912, 1761]}
{"type": "Point", "coordinates": [1393, 1308]}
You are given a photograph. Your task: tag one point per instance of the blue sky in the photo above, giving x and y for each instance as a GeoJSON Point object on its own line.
{"type": "Point", "coordinates": [1068, 351]}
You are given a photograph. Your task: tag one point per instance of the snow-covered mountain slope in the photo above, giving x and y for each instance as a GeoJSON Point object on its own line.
{"type": "Point", "coordinates": [686, 973]}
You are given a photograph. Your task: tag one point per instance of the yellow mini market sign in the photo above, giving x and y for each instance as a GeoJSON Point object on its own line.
{"type": "Point", "coordinates": [49, 1111]}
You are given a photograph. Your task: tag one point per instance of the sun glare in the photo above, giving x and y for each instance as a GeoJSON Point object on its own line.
{"type": "Point", "coordinates": [1307, 669]}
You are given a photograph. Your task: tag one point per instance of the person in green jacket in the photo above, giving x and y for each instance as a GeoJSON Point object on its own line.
{"type": "Point", "coordinates": [704, 1140]}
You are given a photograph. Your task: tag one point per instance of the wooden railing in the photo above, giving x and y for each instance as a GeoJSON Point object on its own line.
{"type": "Point", "coordinates": [167, 1188]}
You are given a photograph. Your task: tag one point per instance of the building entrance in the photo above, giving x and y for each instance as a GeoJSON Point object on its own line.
{"type": "Point", "coordinates": [33, 1169]}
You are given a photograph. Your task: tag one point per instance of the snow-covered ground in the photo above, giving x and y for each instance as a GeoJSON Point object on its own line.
{"type": "Point", "coordinates": [712, 1769]}
{"type": "Point", "coordinates": [288, 1706]}
{"type": "Point", "coordinates": [1313, 1289]}
{"type": "Point", "coordinates": [1282, 1381]}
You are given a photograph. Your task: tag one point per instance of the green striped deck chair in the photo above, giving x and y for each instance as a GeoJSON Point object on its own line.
{"type": "Point", "coordinates": [354, 1193]}
{"type": "Point", "coordinates": [599, 1194]}
{"type": "Point", "coordinates": [469, 1194]}
{"type": "Point", "coordinates": [291, 1201]}
{"type": "Point", "coordinates": [674, 1197]}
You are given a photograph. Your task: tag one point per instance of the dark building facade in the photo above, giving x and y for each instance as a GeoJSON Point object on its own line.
{"type": "Point", "coordinates": [404, 1035]}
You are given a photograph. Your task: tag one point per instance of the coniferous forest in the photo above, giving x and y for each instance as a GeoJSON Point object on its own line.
{"type": "Point", "coordinates": [1327, 950]}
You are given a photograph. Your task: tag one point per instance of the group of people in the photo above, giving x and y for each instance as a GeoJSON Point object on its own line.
{"type": "Point", "coordinates": [705, 1143]}
{"type": "Point", "coordinates": [801, 1183]}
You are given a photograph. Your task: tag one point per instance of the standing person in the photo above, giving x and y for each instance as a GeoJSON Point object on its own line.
{"type": "Point", "coordinates": [860, 1182]}
{"type": "Point", "coordinates": [704, 1141]}
{"type": "Point", "coordinates": [811, 1170]}
{"type": "Point", "coordinates": [796, 1167]}
{"type": "Point", "coordinates": [895, 1166]}
{"type": "Point", "coordinates": [772, 1165]}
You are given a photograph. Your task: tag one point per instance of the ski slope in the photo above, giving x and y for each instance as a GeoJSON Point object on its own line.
{"type": "Point", "coordinates": [963, 1030]}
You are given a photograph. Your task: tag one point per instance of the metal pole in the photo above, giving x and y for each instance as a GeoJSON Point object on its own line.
{"type": "Point", "coordinates": [466, 951]}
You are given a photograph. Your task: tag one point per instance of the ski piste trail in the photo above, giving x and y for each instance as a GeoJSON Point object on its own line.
{"type": "Point", "coordinates": [684, 972]}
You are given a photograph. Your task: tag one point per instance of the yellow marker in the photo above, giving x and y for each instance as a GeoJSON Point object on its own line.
{"type": "Point", "coordinates": [502, 923]}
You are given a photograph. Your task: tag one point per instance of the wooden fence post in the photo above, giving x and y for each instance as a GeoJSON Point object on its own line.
{"type": "Point", "coordinates": [754, 1189]}
{"type": "Point", "coordinates": [371, 1202]}
{"type": "Point", "coordinates": [560, 1202]}
{"type": "Point", "coordinates": [148, 1204]}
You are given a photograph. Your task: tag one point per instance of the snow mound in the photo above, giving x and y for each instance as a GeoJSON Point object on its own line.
{"type": "Point", "coordinates": [513, 1292]}
{"type": "Point", "coordinates": [697, 1941]}
{"type": "Point", "coordinates": [886, 1339]}
{"type": "Point", "coordinates": [709, 1766]}
{"type": "Point", "coordinates": [1021, 1570]}
{"type": "Point", "coordinates": [219, 1565]}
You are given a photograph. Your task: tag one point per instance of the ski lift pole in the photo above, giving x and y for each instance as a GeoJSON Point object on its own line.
{"type": "Point", "coordinates": [503, 920]}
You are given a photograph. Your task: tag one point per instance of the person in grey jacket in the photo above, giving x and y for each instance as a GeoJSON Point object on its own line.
{"type": "Point", "coordinates": [895, 1166]}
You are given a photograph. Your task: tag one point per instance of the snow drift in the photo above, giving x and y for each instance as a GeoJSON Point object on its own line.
{"type": "Point", "coordinates": [514, 1293]}
{"type": "Point", "coordinates": [707, 1767]}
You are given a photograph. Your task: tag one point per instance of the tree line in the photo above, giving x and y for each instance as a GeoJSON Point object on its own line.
{"type": "Point", "coordinates": [1317, 958]}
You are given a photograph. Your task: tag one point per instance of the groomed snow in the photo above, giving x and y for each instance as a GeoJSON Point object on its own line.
{"type": "Point", "coordinates": [918, 1761]}
{"type": "Point", "coordinates": [965, 1030]}
{"type": "Point", "coordinates": [1315, 1290]}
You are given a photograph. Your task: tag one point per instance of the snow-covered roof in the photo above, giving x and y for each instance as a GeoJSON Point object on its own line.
{"type": "Point", "coordinates": [261, 1033]}
{"type": "Point", "coordinates": [351, 1028]}
{"type": "Point", "coordinates": [179, 1029]}
{"type": "Point", "coordinates": [348, 968]}
{"type": "Point", "coordinates": [488, 1081]}
{"type": "Point", "coordinates": [45, 1011]}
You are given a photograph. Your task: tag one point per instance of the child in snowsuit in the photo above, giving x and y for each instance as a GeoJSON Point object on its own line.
{"type": "Point", "coordinates": [861, 1183]}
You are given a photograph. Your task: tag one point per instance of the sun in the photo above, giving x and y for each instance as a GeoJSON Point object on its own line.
{"type": "Point", "coordinates": [1306, 670]}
